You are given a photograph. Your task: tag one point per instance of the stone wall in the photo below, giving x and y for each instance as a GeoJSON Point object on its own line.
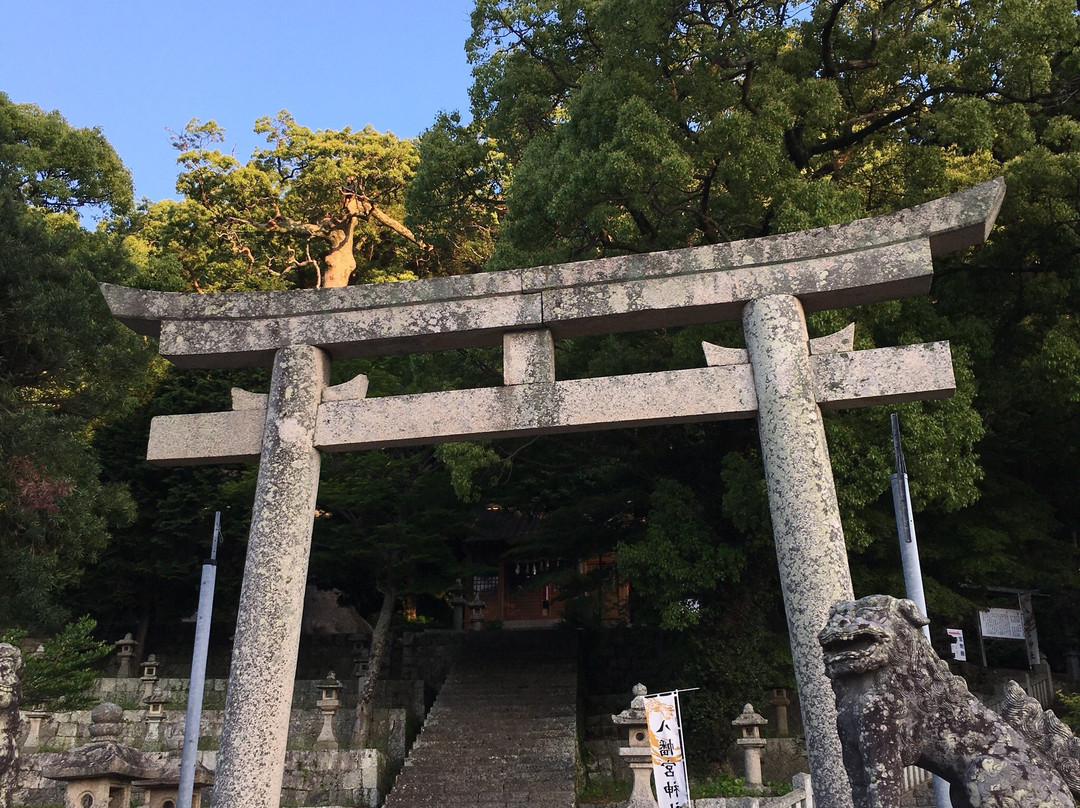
{"type": "Point", "coordinates": [393, 729]}
{"type": "Point", "coordinates": [404, 711]}
{"type": "Point", "coordinates": [347, 777]}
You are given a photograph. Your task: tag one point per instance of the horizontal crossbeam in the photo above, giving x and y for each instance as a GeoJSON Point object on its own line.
{"type": "Point", "coordinates": [869, 260]}
{"type": "Point", "coordinates": [842, 380]}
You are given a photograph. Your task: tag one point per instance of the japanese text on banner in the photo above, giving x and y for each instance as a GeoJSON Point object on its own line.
{"type": "Point", "coordinates": [665, 740]}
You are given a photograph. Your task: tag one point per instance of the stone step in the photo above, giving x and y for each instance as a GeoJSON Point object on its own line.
{"type": "Point", "coordinates": [502, 732]}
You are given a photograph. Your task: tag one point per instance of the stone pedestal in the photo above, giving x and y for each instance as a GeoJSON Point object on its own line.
{"type": "Point", "coordinates": [35, 718]}
{"type": "Point", "coordinates": [640, 761]}
{"type": "Point", "coordinates": [809, 538]}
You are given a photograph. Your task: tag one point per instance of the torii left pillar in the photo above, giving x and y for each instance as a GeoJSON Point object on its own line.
{"type": "Point", "coordinates": [259, 698]}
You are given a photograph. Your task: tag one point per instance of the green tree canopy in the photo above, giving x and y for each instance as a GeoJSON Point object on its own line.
{"type": "Point", "coordinates": [66, 367]}
{"type": "Point", "coordinates": [313, 208]}
{"type": "Point", "coordinates": [624, 127]}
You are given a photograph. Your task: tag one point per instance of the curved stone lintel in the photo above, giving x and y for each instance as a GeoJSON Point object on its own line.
{"type": "Point", "coordinates": [718, 355]}
{"type": "Point", "coordinates": [353, 389]}
{"type": "Point", "coordinates": [873, 259]}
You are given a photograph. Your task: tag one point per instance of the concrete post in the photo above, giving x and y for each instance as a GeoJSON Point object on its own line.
{"type": "Point", "coordinates": [252, 754]}
{"type": "Point", "coordinates": [809, 538]}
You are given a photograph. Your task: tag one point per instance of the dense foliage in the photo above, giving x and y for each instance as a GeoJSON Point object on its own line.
{"type": "Point", "coordinates": [626, 127]}
{"type": "Point", "coordinates": [66, 367]}
{"type": "Point", "coordinates": [59, 673]}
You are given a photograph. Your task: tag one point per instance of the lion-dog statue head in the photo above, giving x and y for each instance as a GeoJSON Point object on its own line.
{"type": "Point", "coordinates": [899, 705]}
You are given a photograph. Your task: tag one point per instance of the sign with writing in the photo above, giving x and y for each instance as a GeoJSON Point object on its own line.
{"type": "Point", "coordinates": [666, 743]}
{"type": "Point", "coordinates": [958, 650]}
{"type": "Point", "coordinates": [1031, 635]}
{"type": "Point", "coordinates": [1002, 624]}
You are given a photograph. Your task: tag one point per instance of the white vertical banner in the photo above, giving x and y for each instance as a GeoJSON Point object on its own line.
{"type": "Point", "coordinates": [666, 743]}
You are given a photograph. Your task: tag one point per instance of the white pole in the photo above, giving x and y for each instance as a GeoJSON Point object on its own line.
{"type": "Point", "coordinates": [909, 558]}
{"type": "Point", "coordinates": [198, 673]}
{"type": "Point", "coordinates": [905, 526]}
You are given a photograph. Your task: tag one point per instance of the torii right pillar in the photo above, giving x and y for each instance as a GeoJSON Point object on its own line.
{"type": "Point", "coordinates": [809, 538]}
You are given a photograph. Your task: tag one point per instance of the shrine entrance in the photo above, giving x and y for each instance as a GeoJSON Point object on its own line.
{"type": "Point", "coordinates": [782, 378]}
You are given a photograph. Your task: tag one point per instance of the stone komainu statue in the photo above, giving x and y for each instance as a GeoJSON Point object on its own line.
{"type": "Point", "coordinates": [899, 705]}
{"type": "Point", "coordinates": [11, 669]}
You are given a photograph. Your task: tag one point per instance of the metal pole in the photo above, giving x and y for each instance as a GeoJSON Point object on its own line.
{"type": "Point", "coordinates": [909, 559]}
{"type": "Point", "coordinates": [905, 526]}
{"type": "Point", "coordinates": [198, 673]}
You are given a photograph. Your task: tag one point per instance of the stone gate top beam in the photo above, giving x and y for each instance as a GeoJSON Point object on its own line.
{"type": "Point", "coordinates": [880, 258]}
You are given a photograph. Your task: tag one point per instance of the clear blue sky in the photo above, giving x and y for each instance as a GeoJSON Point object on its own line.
{"type": "Point", "coordinates": [138, 68]}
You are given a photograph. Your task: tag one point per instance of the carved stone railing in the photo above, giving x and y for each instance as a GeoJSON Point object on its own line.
{"type": "Point", "coordinates": [800, 796]}
{"type": "Point", "coordinates": [915, 776]}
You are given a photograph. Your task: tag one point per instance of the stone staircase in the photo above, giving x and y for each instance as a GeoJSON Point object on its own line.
{"type": "Point", "coordinates": [503, 731]}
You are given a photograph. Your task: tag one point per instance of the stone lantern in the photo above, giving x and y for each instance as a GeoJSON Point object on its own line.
{"type": "Point", "coordinates": [155, 713]}
{"type": "Point", "coordinates": [637, 752]}
{"type": "Point", "coordinates": [125, 650]}
{"type": "Point", "coordinates": [778, 697]}
{"type": "Point", "coordinates": [99, 774]}
{"type": "Point", "coordinates": [752, 743]}
{"type": "Point", "coordinates": [361, 655]}
{"type": "Point", "coordinates": [458, 602]}
{"type": "Point", "coordinates": [477, 608]}
{"type": "Point", "coordinates": [329, 702]}
{"type": "Point", "coordinates": [149, 676]}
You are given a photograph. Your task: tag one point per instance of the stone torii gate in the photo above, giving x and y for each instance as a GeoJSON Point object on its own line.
{"type": "Point", "coordinates": [783, 378]}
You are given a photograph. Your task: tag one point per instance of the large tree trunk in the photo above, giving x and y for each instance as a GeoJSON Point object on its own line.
{"type": "Point", "coordinates": [340, 261]}
{"type": "Point", "coordinates": [379, 635]}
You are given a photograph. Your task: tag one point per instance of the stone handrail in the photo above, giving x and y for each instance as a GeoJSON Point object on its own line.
{"type": "Point", "coordinates": [800, 796]}
{"type": "Point", "coordinates": [914, 776]}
